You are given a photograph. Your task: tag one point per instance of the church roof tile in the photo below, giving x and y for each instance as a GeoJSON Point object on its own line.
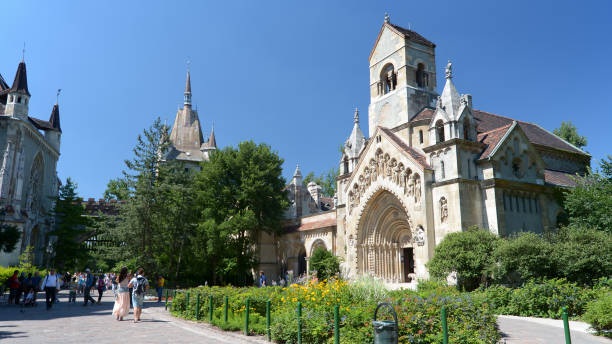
{"type": "Point", "coordinates": [413, 36]}
{"type": "Point", "coordinates": [559, 178]}
{"type": "Point", "coordinates": [418, 157]}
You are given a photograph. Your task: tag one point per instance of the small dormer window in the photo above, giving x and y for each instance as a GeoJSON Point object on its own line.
{"type": "Point", "coordinates": [421, 77]}
{"type": "Point", "coordinates": [440, 131]}
{"type": "Point", "coordinates": [388, 80]}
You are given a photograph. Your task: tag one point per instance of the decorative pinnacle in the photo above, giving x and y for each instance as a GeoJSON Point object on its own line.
{"type": "Point", "coordinates": [356, 116]}
{"type": "Point", "coordinates": [387, 17]}
{"type": "Point", "coordinates": [59, 90]}
{"type": "Point", "coordinates": [23, 53]}
{"type": "Point", "coordinates": [449, 70]}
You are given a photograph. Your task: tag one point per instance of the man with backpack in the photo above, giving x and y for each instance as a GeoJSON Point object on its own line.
{"type": "Point", "coordinates": [140, 285]}
{"type": "Point", "coordinates": [89, 283]}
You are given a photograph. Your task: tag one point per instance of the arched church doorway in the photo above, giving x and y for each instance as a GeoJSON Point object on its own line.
{"type": "Point", "coordinates": [385, 245]}
{"type": "Point", "coordinates": [302, 262]}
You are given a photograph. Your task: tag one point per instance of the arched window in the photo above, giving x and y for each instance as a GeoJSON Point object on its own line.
{"type": "Point", "coordinates": [19, 100]}
{"type": "Point", "coordinates": [440, 131]}
{"type": "Point", "coordinates": [346, 165]}
{"type": "Point", "coordinates": [388, 79]}
{"type": "Point", "coordinates": [421, 76]}
{"type": "Point", "coordinates": [421, 136]}
{"type": "Point", "coordinates": [442, 171]}
{"type": "Point", "coordinates": [466, 129]}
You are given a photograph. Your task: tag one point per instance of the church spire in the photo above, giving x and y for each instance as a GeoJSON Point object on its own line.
{"type": "Point", "coordinates": [187, 100]}
{"type": "Point", "coordinates": [356, 116]}
{"type": "Point", "coordinates": [212, 142]}
{"type": "Point", "coordinates": [20, 84]}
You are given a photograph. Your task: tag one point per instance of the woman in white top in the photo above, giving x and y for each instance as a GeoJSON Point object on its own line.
{"type": "Point", "coordinates": [122, 301]}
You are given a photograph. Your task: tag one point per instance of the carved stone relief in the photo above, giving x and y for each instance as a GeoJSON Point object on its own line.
{"type": "Point", "coordinates": [443, 209]}
{"type": "Point", "coordinates": [419, 236]}
{"type": "Point", "coordinates": [386, 167]}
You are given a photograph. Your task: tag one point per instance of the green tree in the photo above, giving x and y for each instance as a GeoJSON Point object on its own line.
{"type": "Point", "coordinates": [324, 263]}
{"type": "Point", "coordinates": [569, 133]}
{"type": "Point", "coordinates": [327, 181]}
{"type": "Point", "coordinates": [469, 254]}
{"type": "Point", "coordinates": [9, 236]}
{"type": "Point", "coordinates": [241, 195]}
{"type": "Point", "coordinates": [589, 204]}
{"type": "Point", "coordinates": [70, 229]}
{"type": "Point", "coordinates": [117, 189]}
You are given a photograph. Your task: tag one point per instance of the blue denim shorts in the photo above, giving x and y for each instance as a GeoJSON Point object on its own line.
{"type": "Point", "coordinates": [138, 300]}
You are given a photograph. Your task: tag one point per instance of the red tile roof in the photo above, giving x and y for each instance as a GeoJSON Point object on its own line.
{"type": "Point", "coordinates": [426, 113]}
{"type": "Point", "coordinates": [418, 157]}
{"type": "Point", "coordinates": [491, 139]}
{"type": "Point", "coordinates": [559, 178]}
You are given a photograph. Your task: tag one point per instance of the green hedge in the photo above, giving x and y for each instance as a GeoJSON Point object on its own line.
{"type": "Point", "coordinates": [599, 313]}
{"type": "Point", "coordinates": [7, 272]}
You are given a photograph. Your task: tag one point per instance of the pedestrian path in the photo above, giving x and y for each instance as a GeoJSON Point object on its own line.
{"type": "Point", "coordinates": [526, 330]}
{"type": "Point", "coordinates": [69, 323]}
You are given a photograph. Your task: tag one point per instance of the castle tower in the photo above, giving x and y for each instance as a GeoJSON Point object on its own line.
{"type": "Point", "coordinates": [54, 135]}
{"type": "Point", "coordinates": [18, 96]}
{"type": "Point", "coordinates": [402, 76]}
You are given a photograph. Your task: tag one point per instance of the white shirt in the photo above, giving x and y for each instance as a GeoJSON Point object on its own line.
{"type": "Point", "coordinates": [51, 281]}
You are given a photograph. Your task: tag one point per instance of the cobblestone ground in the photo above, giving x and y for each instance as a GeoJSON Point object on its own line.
{"type": "Point", "coordinates": [69, 323]}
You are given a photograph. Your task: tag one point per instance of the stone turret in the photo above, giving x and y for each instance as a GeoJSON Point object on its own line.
{"type": "Point", "coordinates": [352, 146]}
{"type": "Point", "coordinates": [18, 97]}
{"type": "Point", "coordinates": [54, 135]}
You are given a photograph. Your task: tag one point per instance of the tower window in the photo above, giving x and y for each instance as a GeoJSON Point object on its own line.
{"type": "Point", "coordinates": [421, 76]}
{"type": "Point", "coordinates": [388, 80]}
{"type": "Point", "coordinates": [421, 136]}
{"type": "Point", "coordinates": [442, 171]}
{"type": "Point", "coordinates": [440, 131]}
{"type": "Point", "coordinates": [19, 100]}
{"type": "Point", "coordinates": [345, 165]}
{"type": "Point", "coordinates": [466, 128]}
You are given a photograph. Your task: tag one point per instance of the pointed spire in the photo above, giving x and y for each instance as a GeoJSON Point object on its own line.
{"type": "Point", "coordinates": [356, 116]}
{"type": "Point", "coordinates": [298, 172]}
{"type": "Point", "coordinates": [20, 84]}
{"type": "Point", "coordinates": [54, 120]}
{"type": "Point", "coordinates": [212, 142]}
{"type": "Point", "coordinates": [187, 98]}
{"type": "Point", "coordinates": [188, 84]}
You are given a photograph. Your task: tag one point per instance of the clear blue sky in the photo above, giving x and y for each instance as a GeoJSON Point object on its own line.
{"type": "Point", "coordinates": [290, 73]}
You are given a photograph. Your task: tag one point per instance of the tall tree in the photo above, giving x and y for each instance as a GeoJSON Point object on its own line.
{"type": "Point", "coordinates": [241, 195]}
{"type": "Point", "coordinates": [70, 228]}
{"type": "Point", "coordinates": [589, 204]}
{"type": "Point", "coordinates": [569, 133]}
{"type": "Point", "coordinates": [117, 189]}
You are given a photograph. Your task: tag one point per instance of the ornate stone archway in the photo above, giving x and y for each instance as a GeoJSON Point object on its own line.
{"type": "Point", "coordinates": [385, 239]}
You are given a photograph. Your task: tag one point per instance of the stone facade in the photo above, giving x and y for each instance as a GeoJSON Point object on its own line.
{"type": "Point", "coordinates": [432, 165]}
{"type": "Point", "coordinates": [29, 151]}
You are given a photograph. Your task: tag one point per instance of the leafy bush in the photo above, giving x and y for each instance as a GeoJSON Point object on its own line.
{"type": "Point", "coordinates": [324, 263]}
{"type": "Point", "coordinates": [468, 253]}
{"type": "Point", "coordinates": [524, 257]}
{"type": "Point", "coordinates": [6, 272]}
{"type": "Point", "coordinates": [583, 255]}
{"type": "Point", "coordinates": [599, 312]}
{"type": "Point", "coordinates": [544, 298]}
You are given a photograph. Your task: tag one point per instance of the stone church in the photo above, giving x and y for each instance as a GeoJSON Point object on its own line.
{"type": "Point", "coordinates": [432, 164]}
{"type": "Point", "coordinates": [29, 150]}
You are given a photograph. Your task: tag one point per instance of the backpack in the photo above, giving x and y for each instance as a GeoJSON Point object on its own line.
{"type": "Point", "coordinates": [101, 283]}
{"type": "Point", "coordinates": [139, 288]}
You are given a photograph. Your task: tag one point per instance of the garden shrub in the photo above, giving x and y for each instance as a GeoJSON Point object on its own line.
{"type": "Point", "coordinates": [583, 255]}
{"type": "Point", "coordinates": [7, 272]}
{"type": "Point", "coordinates": [599, 313]}
{"type": "Point", "coordinates": [468, 253]}
{"type": "Point", "coordinates": [325, 263]}
{"type": "Point", "coordinates": [524, 257]}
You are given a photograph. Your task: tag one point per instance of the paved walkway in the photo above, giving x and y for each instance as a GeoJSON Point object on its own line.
{"type": "Point", "coordinates": [543, 331]}
{"type": "Point", "coordinates": [69, 323]}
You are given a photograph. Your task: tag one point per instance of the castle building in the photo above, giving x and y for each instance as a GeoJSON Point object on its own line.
{"type": "Point", "coordinates": [432, 165]}
{"type": "Point", "coordinates": [187, 142]}
{"type": "Point", "coordinates": [29, 150]}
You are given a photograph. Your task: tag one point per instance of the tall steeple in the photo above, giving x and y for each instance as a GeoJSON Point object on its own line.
{"type": "Point", "coordinates": [18, 96]}
{"type": "Point", "coordinates": [187, 100]}
{"type": "Point", "coordinates": [20, 84]}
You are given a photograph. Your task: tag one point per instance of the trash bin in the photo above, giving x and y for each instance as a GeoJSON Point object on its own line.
{"type": "Point", "coordinates": [385, 331]}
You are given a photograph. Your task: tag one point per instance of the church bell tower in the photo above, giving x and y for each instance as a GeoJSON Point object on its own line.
{"type": "Point", "coordinates": [402, 76]}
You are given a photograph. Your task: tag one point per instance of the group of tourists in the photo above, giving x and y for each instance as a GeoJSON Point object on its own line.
{"type": "Point", "coordinates": [130, 291]}
{"type": "Point", "coordinates": [23, 288]}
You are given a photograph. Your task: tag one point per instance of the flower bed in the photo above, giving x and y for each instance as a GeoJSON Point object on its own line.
{"type": "Point", "coordinates": [470, 319]}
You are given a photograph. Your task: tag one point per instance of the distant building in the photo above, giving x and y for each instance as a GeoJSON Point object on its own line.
{"type": "Point", "coordinates": [29, 151]}
{"type": "Point", "coordinates": [432, 165]}
{"type": "Point", "coordinates": [187, 142]}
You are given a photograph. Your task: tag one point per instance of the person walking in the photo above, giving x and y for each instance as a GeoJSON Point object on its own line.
{"type": "Point", "coordinates": [160, 287]}
{"type": "Point", "coordinates": [14, 286]}
{"type": "Point", "coordinates": [262, 279]}
{"type": "Point", "coordinates": [36, 285]}
{"type": "Point", "coordinates": [140, 285]}
{"type": "Point", "coordinates": [101, 285]}
{"type": "Point", "coordinates": [26, 286]}
{"type": "Point", "coordinates": [122, 298]}
{"type": "Point", "coordinates": [131, 292]}
{"type": "Point", "coordinates": [51, 285]}
{"type": "Point", "coordinates": [20, 290]}
{"type": "Point", "coordinates": [89, 281]}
